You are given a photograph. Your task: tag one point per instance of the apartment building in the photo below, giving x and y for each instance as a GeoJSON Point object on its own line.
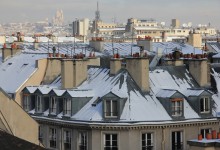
{"type": "Point", "coordinates": [128, 106]}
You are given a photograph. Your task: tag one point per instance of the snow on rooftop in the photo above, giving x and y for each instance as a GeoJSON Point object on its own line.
{"type": "Point", "coordinates": [136, 104]}
{"type": "Point", "coordinates": [165, 93]}
{"type": "Point", "coordinates": [61, 48]}
{"type": "Point", "coordinates": [81, 93]}
{"type": "Point", "coordinates": [193, 92]}
{"type": "Point", "coordinates": [124, 49]}
{"type": "Point", "coordinates": [16, 70]}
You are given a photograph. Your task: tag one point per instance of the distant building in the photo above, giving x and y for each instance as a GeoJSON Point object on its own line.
{"type": "Point", "coordinates": [81, 28]}
{"type": "Point", "coordinates": [58, 19]}
{"type": "Point", "coordinates": [175, 23]}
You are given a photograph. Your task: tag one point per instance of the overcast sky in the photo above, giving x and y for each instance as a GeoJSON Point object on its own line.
{"type": "Point", "coordinates": [195, 11]}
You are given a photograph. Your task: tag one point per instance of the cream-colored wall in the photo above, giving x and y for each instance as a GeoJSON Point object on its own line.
{"type": "Point", "coordinates": [139, 70]}
{"type": "Point", "coordinates": [74, 72]}
{"type": "Point", "coordinates": [52, 71]}
{"type": "Point", "coordinates": [198, 69]}
{"type": "Point", "coordinates": [93, 61]}
{"type": "Point", "coordinates": [195, 40]}
{"type": "Point", "coordinates": [67, 73]}
{"type": "Point", "coordinates": [79, 72]}
{"type": "Point", "coordinates": [147, 44]}
{"type": "Point", "coordinates": [131, 139]}
{"type": "Point", "coordinates": [18, 121]}
{"type": "Point", "coordinates": [115, 66]}
{"type": "Point", "coordinates": [34, 80]}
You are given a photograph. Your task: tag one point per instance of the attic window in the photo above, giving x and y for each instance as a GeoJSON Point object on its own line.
{"type": "Point", "coordinates": [111, 109]}
{"type": "Point", "coordinates": [177, 106]}
{"type": "Point", "coordinates": [205, 105]}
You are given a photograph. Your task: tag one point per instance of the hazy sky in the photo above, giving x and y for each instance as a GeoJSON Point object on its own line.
{"type": "Point", "coordinates": [195, 11]}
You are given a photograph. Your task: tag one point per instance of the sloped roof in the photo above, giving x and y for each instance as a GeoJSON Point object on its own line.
{"type": "Point", "coordinates": [10, 142]}
{"type": "Point", "coordinates": [164, 77]}
{"type": "Point", "coordinates": [165, 93]}
{"type": "Point", "coordinates": [16, 70]}
{"type": "Point", "coordinates": [215, 46]}
{"type": "Point", "coordinates": [193, 92]}
{"type": "Point", "coordinates": [124, 49]}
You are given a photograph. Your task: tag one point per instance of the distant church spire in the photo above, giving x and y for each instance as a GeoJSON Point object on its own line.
{"type": "Point", "coordinates": [97, 13]}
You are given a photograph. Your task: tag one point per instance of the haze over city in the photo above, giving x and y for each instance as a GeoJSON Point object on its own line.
{"type": "Point", "coordinates": [196, 11]}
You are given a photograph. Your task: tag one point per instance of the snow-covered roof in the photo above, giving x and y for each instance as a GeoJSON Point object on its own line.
{"type": "Point", "coordinates": [164, 82]}
{"type": "Point", "coordinates": [164, 93]}
{"type": "Point", "coordinates": [81, 93]}
{"type": "Point", "coordinates": [16, 70]}
{"type": "Point", "coordinates": [215, 46]}
{"type": "Point", "coordinates": [124, 49]}
{"type": "Point", "coordinates": [193, 92]}
{"type": "Point", "coordinates": [61, 48]}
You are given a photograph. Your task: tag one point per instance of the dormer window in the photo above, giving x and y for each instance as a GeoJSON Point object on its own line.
{"type": "Point", "coordinates": [39, 107]}
{"type": "Point", "coordinates": [204, 105]}
{"type": "Point", "coordinates": [177, 106]}
{"type": "Point", "coordinates": [53, 105]}
{"type": "Point", "coordinates": [67, 107]}
{"type": "Point", "coordinates": [111, 109]}
{"type": "Point", "coordinates": [26, 102]}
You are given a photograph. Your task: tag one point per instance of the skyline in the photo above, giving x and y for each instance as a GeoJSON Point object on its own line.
{"type": "Point", "coordinates": [196, 11]}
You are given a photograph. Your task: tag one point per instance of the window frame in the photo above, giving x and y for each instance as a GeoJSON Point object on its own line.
{"type": "Point", "coordinates": [83, 145]}
{"type": "Point", "coordinates": [39, 104]}
{"type": "Point", "coordinates": [111, 113]}
{"type": "Point", "coordinates": [204, 131]}
{"type": "Point", "coordinates": [177, 110]}
{"type": "Point", "coordinates": [176, 140]}
{"type": "Point", "coordinates": [205, 105]}
{"type": "Point", "coordinates": [152, 139]}
{"type": "Point", "coordinates": [67, 107]}
{"type": "Point", "coordinates": [26, 102]}
{"type": "Point", "coordinates": [67, 139]}
{"type": "Point", "coordinates": [40, 133]}
{"type": "Point", "coordinates": [111, 146]}
{"type": "Point", "coordinates": [53, 105]}
{"type": "Point", "coordinates": [53, 137]}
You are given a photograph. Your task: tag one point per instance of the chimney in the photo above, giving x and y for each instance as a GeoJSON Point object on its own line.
{"type": "Point", "coordinates": [97, 43]}
{"type": "Point", "coordinates": [200, 71]}
{"type": "Point", "coordinates": [139, 70]}
{"type": "Point", "coordinates": [115, 65]}
{"type": "Point", "coordinates": [195, 39]}
{"type": "Point", "coordinates": [73, 72]}
{"type": "Point", "coordinates": [146, 43]}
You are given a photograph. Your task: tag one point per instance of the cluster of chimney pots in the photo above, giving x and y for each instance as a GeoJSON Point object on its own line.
{"type": "Point", "coordinates": [210, 136]}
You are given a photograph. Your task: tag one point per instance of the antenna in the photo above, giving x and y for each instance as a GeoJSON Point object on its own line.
{"type": "Point", "coordinates": [97, 13]}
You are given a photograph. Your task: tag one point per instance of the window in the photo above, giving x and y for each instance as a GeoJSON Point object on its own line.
{"type": "Point", "coordinates": [53, 137]}
{"type": "Point", "coordinates": [83, 140]}
{"type": "Point", "coordinates": [177, 140]}
{"type": "Point", "coordinates": [53, 105]}
{"type": "Point", "coordinates": [110, 142]}
{"type": "Point", "coordinates": [67, 107]}
{"type": "Point", "coordinates": [67, 139]}
{"type": "Point", "coordinates": [147, 141]}
{"type": "Point", "coordinates": [205, 105]}
{"type": "Point", "coordinates": [177, 106]}
{"type": "Point", "coordinates": [111, 108]}
{"type": "Point", "coordinates": [204, 132]}
{"type": "Point", "coordinates": [39, 104]}
{"type": "Point", "coordinates": [40, 134]}
{"type": "Point", "coordinates": [26, 103]}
